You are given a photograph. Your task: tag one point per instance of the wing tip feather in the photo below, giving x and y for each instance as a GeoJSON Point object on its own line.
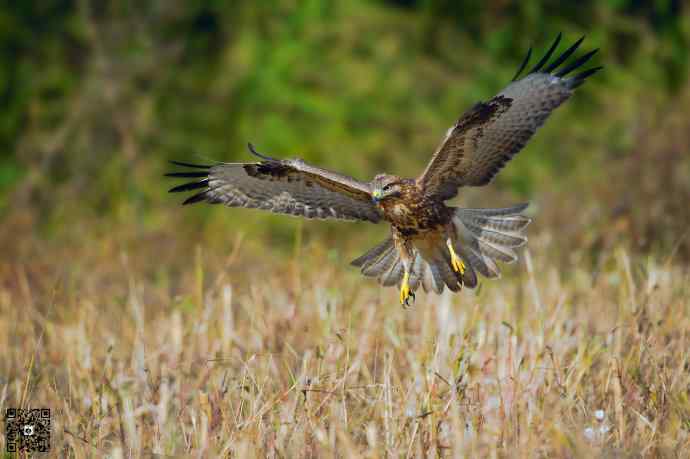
{"type": "Point", "coordinates": [548, 54]}
{"type": "Point", "coordinates": [253, 151]}
{"type": "Point", "coordinates": [577, 63]}
{"type": "Point", "coordinates": [580, 78]}
{"type": "Point", "coordinates": [190, 186]}
{"type": "Point", "coordinates": [203, 196]}
{"type": "Point", "coordinates": [523, 65]}
{"type": "Point", "coordinates": [573, 82]}
{"type": "Point", "coordinates": [195, 166]}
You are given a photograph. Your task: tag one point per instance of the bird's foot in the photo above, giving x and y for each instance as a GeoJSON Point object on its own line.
{"type": "Point", "coordinates": [455, 261]}
{"type": "Point", "coordinates": [405, 292]}
{"type": "Point", "coordinates": [406, 301]}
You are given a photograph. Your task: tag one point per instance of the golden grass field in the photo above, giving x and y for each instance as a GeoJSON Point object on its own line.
{"type": "Point", "coordinates": [155, 330]}
{"type": "Point", "coordinates": [236, 354]}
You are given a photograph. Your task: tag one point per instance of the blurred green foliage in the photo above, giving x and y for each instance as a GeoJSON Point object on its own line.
{"type": "Point", "coordinates": [97, 96]}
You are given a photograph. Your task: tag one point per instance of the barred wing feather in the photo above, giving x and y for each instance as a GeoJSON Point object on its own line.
{"type": "Point", "coordinates": [488, 135]}
{"type": "Point", "coordinates": [290, 187]}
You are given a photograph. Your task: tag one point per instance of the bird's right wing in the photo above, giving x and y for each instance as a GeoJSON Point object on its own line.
{"type": "Point", "coordinates": [289, 186]}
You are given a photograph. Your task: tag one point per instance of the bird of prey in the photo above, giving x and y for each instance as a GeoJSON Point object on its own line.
{"type": "Point", "coordinates": [430, 243]}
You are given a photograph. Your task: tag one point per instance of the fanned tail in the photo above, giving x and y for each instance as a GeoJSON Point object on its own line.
{"type": "Point", "coordinates": [483, 238]}
{"type": "Point", "coordinates": [433, 271]}
{"type": "Point", "coordinates": [382, 262]}
{"type": "Point", "coordinates": [487, 236]}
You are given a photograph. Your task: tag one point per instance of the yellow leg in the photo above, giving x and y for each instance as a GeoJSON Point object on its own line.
{"type": "Point", "coordinates": [455, 260]}
{"type": "Point", "coordinates": [405, 293]}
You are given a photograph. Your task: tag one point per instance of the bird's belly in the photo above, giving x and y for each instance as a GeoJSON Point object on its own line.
{"type": "Point", "coordinates": [420, 228]}
{"type": "Point", "coordinates": [419, 232]}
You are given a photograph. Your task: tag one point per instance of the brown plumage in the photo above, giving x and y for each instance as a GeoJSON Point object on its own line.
{"type": "Point", "coordinates": [431, 244]}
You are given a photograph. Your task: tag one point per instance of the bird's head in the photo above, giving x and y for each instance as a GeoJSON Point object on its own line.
{"type": "Point", "coordinates": [385, 186]}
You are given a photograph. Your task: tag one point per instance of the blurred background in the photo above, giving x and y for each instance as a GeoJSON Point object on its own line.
{"type": "Point", "coordinates": [97, 96]}
{"type": "Point", "coordinates": [152, 327]}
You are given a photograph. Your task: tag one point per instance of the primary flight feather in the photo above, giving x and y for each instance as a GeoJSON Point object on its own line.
{"type": "Point", "coordinates": [431, 244]}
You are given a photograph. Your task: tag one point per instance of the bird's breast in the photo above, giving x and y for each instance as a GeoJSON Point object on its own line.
{"type": "Point", "coordinates": [400, 210]}
{"type": "Point", "coordinates": [398, 213]}
{"type": "Point", "coordinates": [413, 216]}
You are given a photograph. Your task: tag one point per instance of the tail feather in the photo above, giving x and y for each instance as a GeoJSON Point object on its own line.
{"type": "Point", "coordinates": [427, 278]}
{"type": "Point", "coordinates": [370, 256]}
{"type": "Point", "coordinates": [436, 277]}
{"type": "Point", "coordinates": [481, 263]}
{"type": "Point", "coordinates": [501, 253]}
{"type": "Point", "coordinates": [510, 224]}
{"type": "Point", "coordinates": [485, 236]}
{"type": "Point", "coordinates": [417, 272]}
{"type": "Point", "coordinates": [394, 273]}
{"type": "Point", "coordinates": [495, 237]}
{"type": "Point", "coordinates": [469, 277]}
{"type": "Point", "coordinates": [452, 279]}
{"type": "Point", "coordinates": [381, 264]}
{"type": "Point", "coordinates": [513, 211]}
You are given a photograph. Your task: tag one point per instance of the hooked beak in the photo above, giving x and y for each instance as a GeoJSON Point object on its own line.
{"type": "Point", "coordinates": [376, 195]}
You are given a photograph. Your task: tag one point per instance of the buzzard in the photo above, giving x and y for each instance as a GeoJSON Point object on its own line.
{"type": "Point", "coordinates": [430, 243]}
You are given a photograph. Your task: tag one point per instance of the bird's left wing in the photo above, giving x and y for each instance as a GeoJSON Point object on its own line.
{"type": "Point", "coordinates": [488, 135]}
{"type": "Point", "coordinates": [288, 186]}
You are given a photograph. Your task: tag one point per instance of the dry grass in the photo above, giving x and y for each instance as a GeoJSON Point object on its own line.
{"type": "Point", "coordinates": [137, 357]}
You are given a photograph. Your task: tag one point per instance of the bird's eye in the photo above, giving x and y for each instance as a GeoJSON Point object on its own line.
{"type": "Point", "coordinates": [387, 187]}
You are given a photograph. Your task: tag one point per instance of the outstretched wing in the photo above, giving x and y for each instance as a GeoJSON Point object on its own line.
{"type": "Point", "coordinates": [283, 186]}
{"type": "Point", "coordinates": [488, 135]}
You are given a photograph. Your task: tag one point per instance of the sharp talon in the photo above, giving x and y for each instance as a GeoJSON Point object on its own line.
{"type": "Point", "coordinates": [407, 303]}
{"type": "Point", "coordinates": [405, 293]}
